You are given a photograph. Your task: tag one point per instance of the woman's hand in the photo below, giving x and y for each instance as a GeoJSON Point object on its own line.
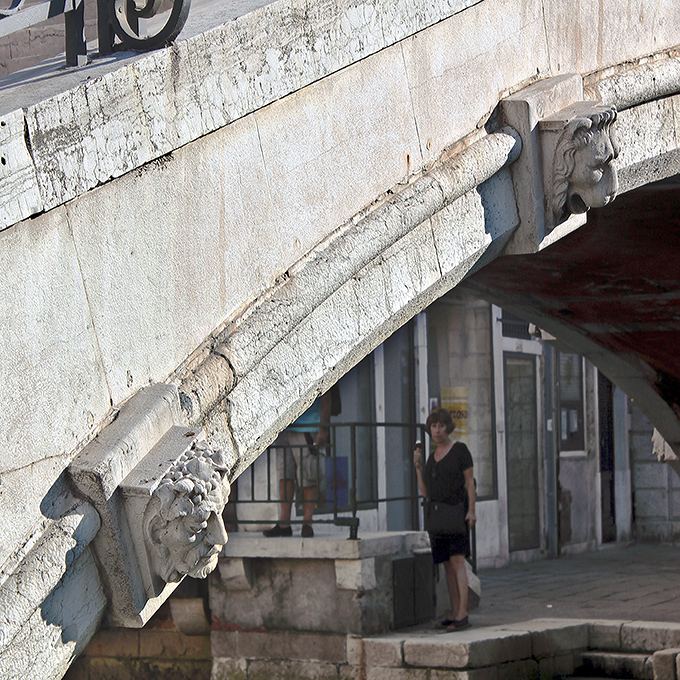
{"type": "Point", "coordinates": [471, 518]}
{"type": "Point", "coordinates": [418, 457]}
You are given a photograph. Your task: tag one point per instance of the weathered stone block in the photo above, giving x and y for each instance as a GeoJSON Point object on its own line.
{"type": "Point", "coordinates": [224, 643]}
{"type": "Point", "coordinates": [229, 669]}
{"type": "Point", "coordinates": [559, 665]}
{"type": "Point", "coordinates": [605, 635]}
{"type": "Point", "coordinates": [664, 664]}
{"type": "Point", "coordinates": [609, 39]}
{"type": "Point", "coordinates": [384, 652]}
{"type": "Point", "coordinates": [114, 642]}
{"type": "Point", "coordinates": [618, 664]}
{"type": "Point", "coordinates": [649, 636]}
{"type": "Point", "coordinates": [292, 646]}
{"type": "Point", "coordinates": [170, 644]}
{"type": "Point", "coordinates": [355, 650]}
{"type": "Point", "coordinates": [189, 615]}
{"type": "Point", "coordinates": [355, 574]}
{"type": "Point", "coordinates": [488, 673]}
{"type": "Point", "coordinates": [291, 670]}
{"type": "Point", "coordinates": [19, 192]}
{"type": "Point", "coordinates": [550, 637]}
{"type": "Point", "coordinates": [382, 673]}
{"type": "Point", "coordinates": [526, 669]}
{"type": "Point", "coordinates": [445, 110]}
{"type": "Point", "coordinates": [470, 648]}
{"type": "Point", "coordinates": [648, 143]}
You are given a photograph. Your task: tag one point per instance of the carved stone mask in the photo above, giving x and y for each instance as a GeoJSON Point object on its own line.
{"type": "Point", "coordinates": [183, 527]}
{"type": "Point", "coordinates": [584, 169]}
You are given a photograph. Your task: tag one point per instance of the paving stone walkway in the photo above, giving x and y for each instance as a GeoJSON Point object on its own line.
{"type": "Point", "coordinates": [632, 582]}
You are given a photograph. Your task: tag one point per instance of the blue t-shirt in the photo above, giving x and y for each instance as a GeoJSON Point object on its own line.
{"type": "Point", "coordinates": [309, 420]}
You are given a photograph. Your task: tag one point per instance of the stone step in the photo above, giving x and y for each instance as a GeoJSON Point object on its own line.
{"type": "Point", "coordinates": [615, 665]}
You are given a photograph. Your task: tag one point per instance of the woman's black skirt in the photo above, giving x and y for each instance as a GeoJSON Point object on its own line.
{"type": "Point", "coordinates": [446, 545]}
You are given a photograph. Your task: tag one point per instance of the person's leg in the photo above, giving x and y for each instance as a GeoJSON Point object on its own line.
{"type": "Point", "coordinates": [309, 481]}
{"type": "Point", "coordinates": [310, 495]}
{"type": "Point", "coordinates": [286, 494]}
{"type": "Point", "coordinates": [452, 584]}
{"type": "Point", "coordinates": [460, 575]}
{"type": "Point", "coordinates": [285, 468]}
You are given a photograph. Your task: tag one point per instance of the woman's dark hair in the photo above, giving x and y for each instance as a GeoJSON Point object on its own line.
{"type": "Point", "coordinates": [440, 415]}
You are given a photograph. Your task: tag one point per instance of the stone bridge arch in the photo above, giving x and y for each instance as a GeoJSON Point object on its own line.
{"type": "Point", "coordinates": [334, 181]}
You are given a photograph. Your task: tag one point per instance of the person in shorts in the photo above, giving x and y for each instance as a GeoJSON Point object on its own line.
{"type": "Point", "coordinates": [297, 462]}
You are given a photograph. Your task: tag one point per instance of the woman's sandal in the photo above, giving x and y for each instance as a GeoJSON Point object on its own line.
{"type": "Point", "coordinates": [461, 624]}
{"type": "Point", "coordinates": [444, 623]}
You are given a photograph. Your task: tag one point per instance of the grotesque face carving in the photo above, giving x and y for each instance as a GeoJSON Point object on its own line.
{"type": "Point", "coordinates": [183, 525]}
{"type": "Point", "coordinates": [584, 171]}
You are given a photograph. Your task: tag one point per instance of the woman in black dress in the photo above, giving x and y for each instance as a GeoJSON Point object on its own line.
{"type": "Point", "coordinates": [448, 477]}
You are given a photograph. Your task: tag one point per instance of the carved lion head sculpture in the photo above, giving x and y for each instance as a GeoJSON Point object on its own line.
{"type": "Point", "coordinates": [584, 174]}
{"type": "Point", "coordinates": [183, 527]}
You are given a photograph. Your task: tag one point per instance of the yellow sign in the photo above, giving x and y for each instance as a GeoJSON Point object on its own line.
{"type": "Point", "coordinates": [455, 400]}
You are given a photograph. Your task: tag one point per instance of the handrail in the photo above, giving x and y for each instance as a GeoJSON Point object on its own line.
{"type": "Point", "coordinates": [137, 24]}
{"type": "Point", "coordinates": [337, 513]}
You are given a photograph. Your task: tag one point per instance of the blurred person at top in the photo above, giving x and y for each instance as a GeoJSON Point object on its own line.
{"type": "Point", "coordinates": [297, 462]}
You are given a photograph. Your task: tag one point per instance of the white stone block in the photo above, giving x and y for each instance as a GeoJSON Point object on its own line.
{"type": "Point", "coordinates": [54, 391]}
{"type": "Point", "coordinates": [384, 652]}
{"type": "Point", "coordinates": [588, 40]}
{"type": "Point", "coordinates": [233, 573]}
{"type": "Point", "coordinates": [506, 51]}
{"type": "Point", "coordinates": [355, 574]}
{"type": "Point", "coordinates": [468, 648]}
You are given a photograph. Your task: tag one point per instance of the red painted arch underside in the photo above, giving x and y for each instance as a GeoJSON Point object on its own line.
{"type": "Point", "coordinates": [617, 278]}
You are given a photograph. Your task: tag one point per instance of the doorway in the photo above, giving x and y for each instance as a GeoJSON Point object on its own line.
{"type": "Point", "coordinates": [521, 451]}
{"type": "Point", "coordinates": [607, 486]}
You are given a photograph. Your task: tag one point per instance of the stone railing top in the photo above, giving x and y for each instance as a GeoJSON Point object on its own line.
{"type": "Point", "coordinates": [55, 130]}
{"type": "Point", "coordinates": [331, 547]}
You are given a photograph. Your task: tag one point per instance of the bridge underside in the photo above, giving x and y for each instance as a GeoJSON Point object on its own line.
{"type": "Point", "coordinates": [206, 238]}
{"type": "Point", "coordinates": [609, 290]}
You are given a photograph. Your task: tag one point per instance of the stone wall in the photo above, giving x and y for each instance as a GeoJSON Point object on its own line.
{"type": "Point", "coordinates": [160, 650]}
{"type": "Point", "coordinates": [656, 495]}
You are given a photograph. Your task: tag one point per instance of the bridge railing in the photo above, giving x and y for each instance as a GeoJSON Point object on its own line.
{"type": "Point", "coordinates": [132, 24]}
{"type": "Point", "coordinates": [346, 480]}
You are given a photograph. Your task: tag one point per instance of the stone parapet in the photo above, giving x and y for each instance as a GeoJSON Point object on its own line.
{"type": "Point", "coordinates": [328, 585]}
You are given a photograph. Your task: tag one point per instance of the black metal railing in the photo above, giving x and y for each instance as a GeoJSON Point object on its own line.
{"type": "Point", "coordinates": [350, 483]}
{"type": "Point", "coordinates": [132, 24]}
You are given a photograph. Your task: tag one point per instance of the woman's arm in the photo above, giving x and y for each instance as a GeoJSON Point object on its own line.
{"type": "Point", "coordinates": [469, 477]}
{"type": "Point", "coordinates": [418, 462]}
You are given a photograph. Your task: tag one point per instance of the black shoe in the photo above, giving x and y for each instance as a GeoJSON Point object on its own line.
{"type": "Point", "coordinates": [277, 530]}
{"type": "Point", "coordinates": [461, 624]}
{"type": "Point", "coordinates": [444, 623]}
{"type": "Point", "coordinates": [307, 531]}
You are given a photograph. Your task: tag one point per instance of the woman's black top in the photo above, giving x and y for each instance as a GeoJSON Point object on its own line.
{"type": "Point", "coordinates": [444, 479]}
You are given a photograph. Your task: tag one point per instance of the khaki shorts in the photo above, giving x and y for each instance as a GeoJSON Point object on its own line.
{"type": "Point", "coordinates": [295, 460]}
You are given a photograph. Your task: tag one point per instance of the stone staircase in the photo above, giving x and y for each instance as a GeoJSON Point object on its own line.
{"type": "Point", "coordinates": [540, 649]}
{"type": "Point", "coordinates": [610, 664]}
